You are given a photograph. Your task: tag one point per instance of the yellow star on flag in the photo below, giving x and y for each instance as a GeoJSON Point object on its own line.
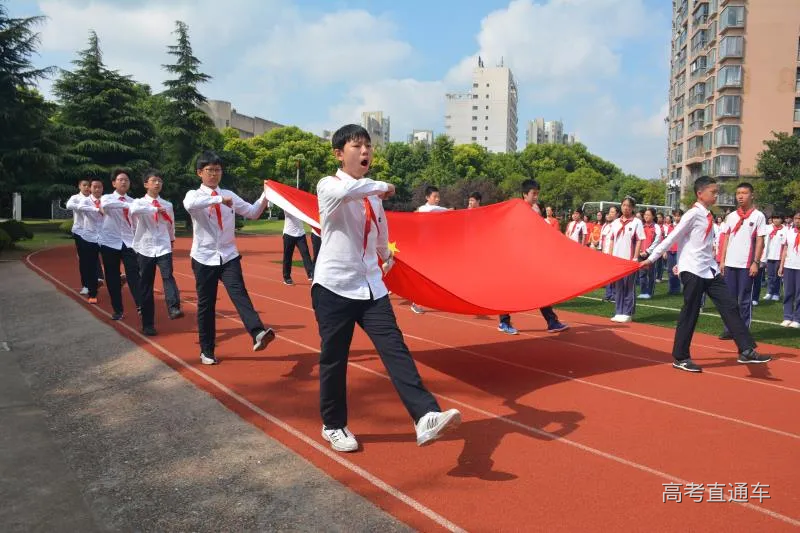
{"type": "Point", "coordinates": [393, 247]}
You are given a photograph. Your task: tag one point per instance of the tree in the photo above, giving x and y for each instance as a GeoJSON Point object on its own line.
{"type": "Point", "coordinates": [184, 128]}
{"type": "Point", "coordinates": [102, 118]}
{"type": "Point", "coordinates": [779, 169]}
{"type": "Point", "coordinates": [29, 152]}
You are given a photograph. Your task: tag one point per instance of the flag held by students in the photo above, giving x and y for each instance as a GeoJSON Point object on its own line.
{"type": "Point", "coordinates": [501, 258]}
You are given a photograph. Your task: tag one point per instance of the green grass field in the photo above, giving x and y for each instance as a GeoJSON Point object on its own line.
{"type": "Point", "coordinates": [661, 310]}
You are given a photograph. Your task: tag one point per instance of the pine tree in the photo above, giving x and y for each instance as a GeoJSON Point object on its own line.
{"type": "Point", "coordinates": [103, 116]}
{"type": "Point", "coordinates": [28, 152]}
{"type": "Point", "coordinates": [185, 128]}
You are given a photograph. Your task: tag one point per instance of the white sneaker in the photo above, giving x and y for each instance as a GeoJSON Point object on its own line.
{"type": "Point", "coordinates": [786, 323]}
{"type": "Point", "coordinates": [767, 297]}
{"type": "Point", "coordinates": [624, 318]}
{"type": "Point", "coordinates": [615, 318]}
{"type": "Point", "coordinates": [84, 291]}
{"type": "Point", "coordinates": [755, 303]}
{"type": "Point", "coordinates": [417, 309]}
{"type": "Point", "coordinates": [644, 296]}
{"type": "Point", "coordinates": [342, 440]}
{"type": "Point", "coordinates": [433, 425]}
{"type": "Point", "coordinates": [794, 325]}
{"type": "Point", "coordinates": [776, 297]}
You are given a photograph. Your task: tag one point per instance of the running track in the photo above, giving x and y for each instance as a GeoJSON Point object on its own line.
{"type": "Point", "coordinates": [571, 432]}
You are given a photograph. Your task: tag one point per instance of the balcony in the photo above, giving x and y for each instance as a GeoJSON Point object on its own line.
{"type": "Point", "coordinates": [797, 115]}
{"type": "Point", "coordinates": [726, 200]}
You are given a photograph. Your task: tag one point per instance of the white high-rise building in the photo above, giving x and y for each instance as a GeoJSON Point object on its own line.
{"type": "Point", "coordinates": [377, 126]}
{"type": "Point", "coordinates": [487, 114]}
{"type": "Point", "coordinates": [547, 132]}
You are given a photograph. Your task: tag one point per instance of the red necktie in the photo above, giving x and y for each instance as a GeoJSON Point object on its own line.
{"type": "Point", "coordinates": [166, 216]}
{"type": "Point", "coordinates": [742, 217]}
{"type": "Point", "coordinates": [775, 229]}
{"type": "Point", "coordinates": [125, 210]}
{"type": "Point", "coordinates": [622, 229]}
{"type": "Point", "coordinates": [369, 217]}
{"type": "Point", "coordinates": [216, 208]}
{"type": "Point", "coordinates": [574, 229]}
{"type": "Point", "coordinates": [796, 240]}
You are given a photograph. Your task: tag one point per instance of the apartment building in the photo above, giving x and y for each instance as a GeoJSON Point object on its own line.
{"type": "Point", "coordinates": [377, 126]}
{"type": "Point", "coordinates": [224, 115]}
{"type": "Point", "coordinates": [735, 78]}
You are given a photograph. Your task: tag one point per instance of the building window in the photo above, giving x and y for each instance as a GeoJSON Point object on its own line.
{"type": "Point", "coordinates": [474, 117]}
{"type": "Point", "coordinates": [474, 108]}
{"type": "Point", "coordinates": [797, 109]}
{"type": "Point", "coordinates": [474, 138]}
{"type": "Point", "coordinates": [474, 96]}
{"type": "Point", "coordinates": [487, 117]}
{"type": "Point", "coordinates": [731, 17]}
{"type": "Point", "coordinates": [486, 138]}
{"type": "Point", "coordinates": [487, 107]}
{"type": "Point", "coordinates": [487, 96]}
{"type": "Point", "coordinates": [729, 76]}
{"type": "Point", "coordinates": [710, 87]}
{"type": "Point", "coordinates": [729, 106]}
{"type": "Point", "coordinates": [474, 85]}
{"type": "Point", "coordinates": [726, 165]}
{"type": "Point", "coordinates": [731, 46]}
{"type": "Point", "coordinates": [726, 136]}
{"type": "Point", "coordinates": [707, 138]}
{"type": "Point", "coordinates": [486, 128]}
{"type": "Point", "coordinates": [487, 84]}
{"type": "Point", "coordinates": [705, 168]}
{"type": "Point", "coordinates": [796, 132]}
{"type": "Point", "coordinates": [474, 128]}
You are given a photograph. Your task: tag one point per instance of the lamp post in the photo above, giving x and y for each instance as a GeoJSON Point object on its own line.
{"type": "Point", "coordinates": [297, 179]}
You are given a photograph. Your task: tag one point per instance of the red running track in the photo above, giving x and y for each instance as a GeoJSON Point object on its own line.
{"type": "Point", "coordinates": [577, 431]}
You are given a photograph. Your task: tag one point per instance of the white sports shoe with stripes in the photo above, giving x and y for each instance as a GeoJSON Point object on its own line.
{"type": "Point", "coordinates": [433, 425]}
{"type": "Point", "coordinates": [342, 440]}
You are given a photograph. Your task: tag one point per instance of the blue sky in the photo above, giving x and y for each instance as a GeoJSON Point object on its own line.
{"type": "Point", "coordinates": [601, 66]}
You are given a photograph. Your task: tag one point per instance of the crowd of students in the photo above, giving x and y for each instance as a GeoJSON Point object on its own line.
{"type": "Point", "coordinates": [347, 276]}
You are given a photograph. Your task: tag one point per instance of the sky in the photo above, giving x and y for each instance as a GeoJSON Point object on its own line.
{"type": "Point", "coordinates": [600, 66]}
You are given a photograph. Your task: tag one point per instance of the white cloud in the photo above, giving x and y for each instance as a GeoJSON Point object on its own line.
{"type": "Point", "coordinates": [654, 125]}
{"type": "Point", "coordinates": [556, 47]}
{"type": "Point", "coordinates": [411, 104]}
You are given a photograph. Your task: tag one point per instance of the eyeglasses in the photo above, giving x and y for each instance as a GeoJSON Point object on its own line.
{"type": "Point", "coordinates": [212, 170]}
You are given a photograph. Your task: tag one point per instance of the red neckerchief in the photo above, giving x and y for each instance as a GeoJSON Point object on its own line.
{"type": "Point", "coordinates": [156, 204]}
{"type": "Point", "coordinates": [125, 211]}
{"type": "Point", "coordinates": [796, 239]}
{"type": "Point", "coordinates": [624, 223]}
{"type": "Point", "coordinates": [217, 209]}
{"type": "Point", "coordinates": [710, 219]}
{"type": "Point", "coordinates": [742, 217]}
{"type": "Point", "coordinates": [775, 229]}
{"type": "Point", "coordinates": [369, 217]}
{"type": "Point", "coordinates": [574, 228]}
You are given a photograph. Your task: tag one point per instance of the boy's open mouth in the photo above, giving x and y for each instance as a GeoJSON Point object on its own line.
{"type": "Point", "coordinates": [365, 162]}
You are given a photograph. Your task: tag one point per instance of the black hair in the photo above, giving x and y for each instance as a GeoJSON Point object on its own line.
{"type": "Point", "coordinates": [150, 173]}
{"type": "Point", "coordinates": [630, 201]}
{"type": "Point", "coordinates": [85, 178]}
{"type": "Point", "coordinates": [117, 171]}
{"type": "Point", "coordinates": [577, 210]}
{"type": "Point", "coordinates": [745, 185]}
{"type": "Point", "coordinates": [702, 182]}
{"type": "Point", "coordinates": [350, 132]}
{"type": "Point", "coordinates": [430, 189]}
{"type": "Point", "coordinates": [529, 185]}
{"type": "Point", "coordinates": [678, 211]}
{"type": "Point", "coordinates": [777, 215]}
{"type": "Point", "coordinates": [652, 212]}
{"type": "Point", "coordinates": [476, 195]}
{"type": "Point", "coordinates": [95, 178]}
{"type": "Point", "coordinates": [614, 207]}
{"type": "Point", "coordinates": [206, 159]}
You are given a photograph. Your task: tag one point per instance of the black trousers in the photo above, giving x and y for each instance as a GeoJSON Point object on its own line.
{"type": "Point", "coordinates": [336, 318]}
{"type": "Point", "coordinates": [289, 243]}
{"type": "Point", "coordinates": [111, 264]}
{"type": "Point", "coordinates": [147, 277]}
{"type": "Point", "coordinates": [207, 278]}
{"type": "Point", "coordinates": [89, 264]}
{"type": "Point", "coordinates": [693, 289]}
{"type": "Point", "coordinates": [547, 312]}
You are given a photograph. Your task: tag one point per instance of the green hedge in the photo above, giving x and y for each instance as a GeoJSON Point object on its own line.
{"type": "Point", "coordinates": [66, 227]}
{"type": "Point", "coordinates": [16, 230]}
{"type": "Point", "coordinates": [5, 240]}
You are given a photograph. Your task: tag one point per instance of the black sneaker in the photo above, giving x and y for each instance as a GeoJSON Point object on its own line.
{"type": "Point", "coordinates": [288, 281]}
{"type": "Point", "coordinates": [149, 331]}
{"type": "Point", "coordinates": [751, 356]}
{"type": "Point", "coordinates": [687, 365]}
{"type": "Point", "coordinates": [117, 316]}
{"type": "Point", "coordinates": [209, 359]}
{"type": "Point", "coordinates": [262, 339]}
{"type": "Point", "coordinates": [726, 336]}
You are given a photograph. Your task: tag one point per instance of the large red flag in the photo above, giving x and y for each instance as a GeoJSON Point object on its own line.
{"type": "Point", "coordinates": [501, 258]}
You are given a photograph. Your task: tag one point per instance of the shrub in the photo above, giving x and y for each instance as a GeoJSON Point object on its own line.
{"type": "Point", "coordinates": [5, 240]}
{"type": "Point", "coordinates": [16, 230]}
{"type": "Point", "coordinates": [66, 227]}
